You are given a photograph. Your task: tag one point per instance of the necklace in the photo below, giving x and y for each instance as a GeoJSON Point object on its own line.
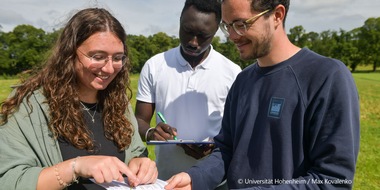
{"type": "Point", "coordinates": [88, 110]}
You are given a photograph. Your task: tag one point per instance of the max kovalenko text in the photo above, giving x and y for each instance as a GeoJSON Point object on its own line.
{"type": "Point", "coordinates": [293, 181]}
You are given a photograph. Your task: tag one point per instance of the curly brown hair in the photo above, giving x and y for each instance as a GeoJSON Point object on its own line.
{"type": "Point", "coordinates": [59, 82]}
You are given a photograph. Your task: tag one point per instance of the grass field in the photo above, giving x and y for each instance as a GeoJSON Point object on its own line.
{"type": "Point", "coordinates": [368, 168]}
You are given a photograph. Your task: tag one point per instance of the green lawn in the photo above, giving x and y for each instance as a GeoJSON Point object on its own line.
{"type": "Point", "coordinates": [368, 168]}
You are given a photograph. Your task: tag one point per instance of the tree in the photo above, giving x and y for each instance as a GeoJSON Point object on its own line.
{"type": "Point", "coordinates": [142, 48]}
{"type": "Point", "coordinates": [297, 36]}
{"type": "Point", "coordinates": [6, 58]}
{"type": "Point", "coordinates": [24, 48]}
{"type": "Point", "coordinates": [137, 51]}
{"type": "Point", "coordinates": [369, 41]}
{"type": "Point", "coordinates": [346, 49]}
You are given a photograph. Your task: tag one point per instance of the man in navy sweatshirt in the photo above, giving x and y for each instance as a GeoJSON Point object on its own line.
{"type": "Point", "coordinates": [291, 120]}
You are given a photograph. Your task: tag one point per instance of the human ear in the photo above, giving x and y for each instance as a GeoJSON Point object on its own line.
{"type": "Point", "coordinates": [279, 15]}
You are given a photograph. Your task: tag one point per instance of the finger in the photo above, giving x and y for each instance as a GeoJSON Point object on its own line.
{"type": "Point", "coordinates": [164, 131]}
{"type": "Point", "coordinates": [117, 175]}
{"type": "Point", "coordinates": [151, 173]}
{"type": "Point", "coordinates": [107, 175]}
{"type": "Point", "coordinates": [154, 177]}
{"type": "Point", "coordinates": [174, 132]}
{"type": "Point", "coordinates": [143, 166]}
{"type": "Point", "coordinates": [120, 178]}
{"type": "Point", "coordinates": [134, 165]}
{"type": "Point", "coordinates": [157, 133]}
{"type": "Point", "coordinates": [192, 152]}
{"type": "Point", "coordinates": [98, 177]}
{"type": "Point", "coordinates": [180, 180]}
{"type": "Point", "coordinates": [132, 178]}
{"type": "Point", "coordinates": [156, 136]}
{"type": "Point", "coordinates": [173, 182]}
{"type": "Point", "coordinates": [170, 179]}
{"type": "Point", "coordinates": [193, 148]}
{"type": "Point", "coordinates": [110, 169]}
{"type": "Point", "coordinates": [211, 147]}
{"type": "Point", "coordinates": [147, 170]}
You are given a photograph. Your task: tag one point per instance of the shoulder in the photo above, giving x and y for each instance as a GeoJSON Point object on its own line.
{"type": "Point", "coordinates": [161, 59]}
{"type": "Point", "coordinates": [313, 65]}
{"type": "Point", "coordinates": [169, 54]}
{"type": "Point", "coordinates": [316, 73]}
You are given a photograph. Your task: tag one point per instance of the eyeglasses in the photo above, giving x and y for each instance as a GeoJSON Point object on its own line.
{"type": "Point", "coordinates": [100, 60]}
{"type": "Point", "coordinates": [240, 27]}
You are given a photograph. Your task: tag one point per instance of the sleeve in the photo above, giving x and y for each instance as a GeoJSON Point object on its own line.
{"type": "Point", "coordinates": [137, 147]}
{"type": "Point", "coordinates": [333, 122]}
{"type": "Point", "coordinates": [145, 90]}
{"type": "Point", "coordinates": [20, 165]}
{"type": "Point", "coordinates": [209, 172]}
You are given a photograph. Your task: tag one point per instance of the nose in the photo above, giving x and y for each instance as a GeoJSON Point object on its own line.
{"type": "Point", "coordinates": [108, 67]}
{"type": "Point", "coordinates": [193, 41]}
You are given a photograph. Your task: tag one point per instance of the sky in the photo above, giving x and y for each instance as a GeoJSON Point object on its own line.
{"type": "Point", "coordinates": [148, 17]}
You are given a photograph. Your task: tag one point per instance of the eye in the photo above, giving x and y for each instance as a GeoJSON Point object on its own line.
{"type": "Point", "coordinates": [239, 25]}
{"type": "Point", "coordinates": [99, 57]}
{"type": "Point", "coordinates": [226, 26]}
{"type": "Point", "coordinates": [201, 36]}
{"type": "Point", "coordinates": [118, 58]}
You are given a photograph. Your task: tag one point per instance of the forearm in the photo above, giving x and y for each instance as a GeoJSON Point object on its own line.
{"type": "Point", "coordinates": [58, 176]}
{"type": "Point", "coordinates": [143, 128]}
{"type": "Point", "coordinates": [209, 172]}
{"type": "Point", "coordinates": [144, 113]}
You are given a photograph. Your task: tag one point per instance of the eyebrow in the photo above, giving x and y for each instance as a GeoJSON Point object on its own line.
{"type": "Point", "coordinates": [103, 52]}
{"type": "Point", "coordinates": [236, 20]}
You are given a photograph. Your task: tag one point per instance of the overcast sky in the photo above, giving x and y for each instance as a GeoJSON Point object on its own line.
{"type": "Point", "coordinates": [147, 17]}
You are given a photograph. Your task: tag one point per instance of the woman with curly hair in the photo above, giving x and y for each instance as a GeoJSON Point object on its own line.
{"type": "Point", "coordinates": [72, 120]}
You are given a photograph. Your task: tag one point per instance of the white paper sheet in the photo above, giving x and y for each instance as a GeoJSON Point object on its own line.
{"type": "Point", "coordinates": [116, 185]}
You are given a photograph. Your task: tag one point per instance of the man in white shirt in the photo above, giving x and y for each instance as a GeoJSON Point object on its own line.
{"type": "Point", "coordinates": [188, 85]}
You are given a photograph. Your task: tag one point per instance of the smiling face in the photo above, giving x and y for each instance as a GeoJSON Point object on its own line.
{"type": "Point", "coordinates": [197, 30]}
{"type": "Point", "coordinates": [93, 79]}
{"type": "Point", "coordinates": [256, 42]}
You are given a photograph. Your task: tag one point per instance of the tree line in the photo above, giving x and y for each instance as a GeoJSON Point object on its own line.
{"type": "Point", "coordinates": [26, 47]}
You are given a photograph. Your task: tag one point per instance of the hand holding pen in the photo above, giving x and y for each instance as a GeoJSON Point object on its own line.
{"type": "Point", "coordinates": [162, 131]}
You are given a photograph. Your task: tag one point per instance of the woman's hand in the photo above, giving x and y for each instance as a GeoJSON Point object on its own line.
{"type": "Point", "coordinates": [105, 169]}
{"type": "Point", "coordinates": [145, 169]}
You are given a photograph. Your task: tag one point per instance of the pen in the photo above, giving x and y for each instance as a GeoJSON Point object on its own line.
{"type": "Point", "coordinates": [164, 120]}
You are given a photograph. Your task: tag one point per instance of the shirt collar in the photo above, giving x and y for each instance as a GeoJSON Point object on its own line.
{"type": "Point", "coordinates": [205, 63]}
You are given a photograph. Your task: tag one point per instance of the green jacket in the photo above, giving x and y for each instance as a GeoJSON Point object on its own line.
{"type": "Point", "coordinates": [27, 145]}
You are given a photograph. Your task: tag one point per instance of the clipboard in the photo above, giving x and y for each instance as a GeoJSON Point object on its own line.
{"type": "Point", "coordinates": [179, 141]}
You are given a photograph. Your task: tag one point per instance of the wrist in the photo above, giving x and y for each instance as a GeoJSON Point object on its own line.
{"type": "Point", "coordinates": [147, 135]}
{"type": "Point", "coordinates": [61, 173]}
{"type": "Point", "coordinates": [75, 176]}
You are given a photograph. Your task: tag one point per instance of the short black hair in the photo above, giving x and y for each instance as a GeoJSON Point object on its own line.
{"type": "Point", "coordinates": [205, 6]}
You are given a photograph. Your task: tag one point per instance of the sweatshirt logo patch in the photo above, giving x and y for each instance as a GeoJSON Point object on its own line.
{"type": "Point", "coordinates": [275, 107]}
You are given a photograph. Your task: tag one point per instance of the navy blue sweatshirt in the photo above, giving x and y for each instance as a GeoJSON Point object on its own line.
{"type": "Point", "coordinates": [294, 125]}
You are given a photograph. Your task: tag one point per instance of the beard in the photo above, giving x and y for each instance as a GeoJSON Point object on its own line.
{"type": "Point", "coordinates": [260, 46]}
{"type": "Point", "coordinates": [259, 49]}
